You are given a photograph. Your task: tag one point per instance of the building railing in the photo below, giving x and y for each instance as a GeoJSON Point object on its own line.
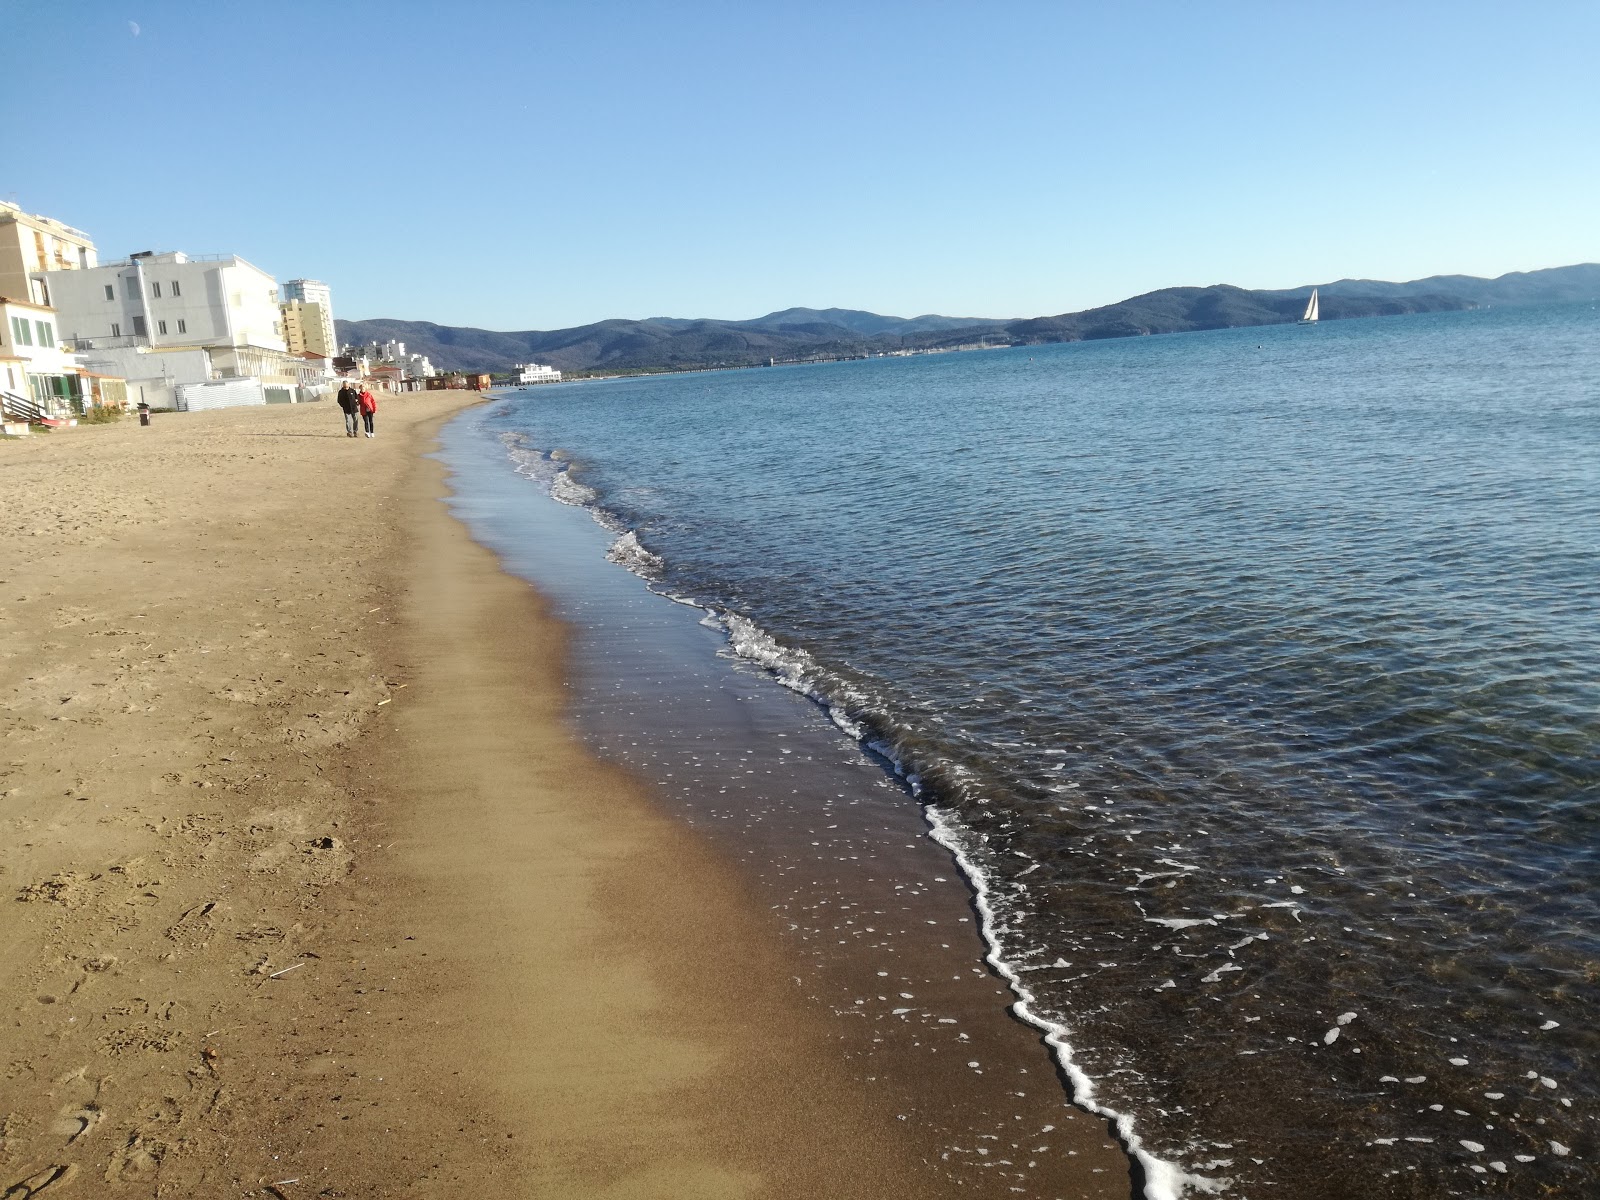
{"type": "Point", "coordinates": [188, 258]}
{"type": "Point", "coordinates": [82, 345]}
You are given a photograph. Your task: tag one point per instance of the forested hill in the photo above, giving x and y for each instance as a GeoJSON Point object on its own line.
{"type": "Point", "coordinates": [798, 333]}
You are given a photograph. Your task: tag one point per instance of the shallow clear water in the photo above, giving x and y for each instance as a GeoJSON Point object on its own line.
{"type": "Point", "coordinates": [1258, 673]}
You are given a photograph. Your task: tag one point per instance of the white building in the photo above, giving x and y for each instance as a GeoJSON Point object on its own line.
{"type": "Point", "coordinates": [533, 373]}
{"type": "Point", "coordinates": [159, 320]}
{"type": "Point", "coordinates": [34, 366]}
{"type": "Point", "coordinates": [168, 300]}
{"type": "Point", "coordinates": [392, 354]}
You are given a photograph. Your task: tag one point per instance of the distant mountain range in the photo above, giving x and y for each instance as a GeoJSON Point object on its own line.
{"type": "Point", "coordinates": [799, 334]}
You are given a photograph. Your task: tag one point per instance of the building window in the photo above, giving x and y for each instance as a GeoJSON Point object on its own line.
{"type": "Point", "coordinates": [162, 326]}
{"type": "Point", "coordinates": [47, 333]}
{"type": "Point", "coordinates": [110, 292]}
{"type": "Point", "coordinates": [155, 290]}
{"type": "Point", "coordinates": [116, 330]}
{"type": "Point", "coordinates": [175, 290]}
{"type": "Point", "coordinates": [138, 326]}
{"type": "Point", "coordinates": [20, 333]}
{"type": "Point", "coordinates": [183, 326]}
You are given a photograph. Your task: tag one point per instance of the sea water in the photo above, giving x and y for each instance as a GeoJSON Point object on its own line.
{"type": "Point", "coordinates": [1253, 676]}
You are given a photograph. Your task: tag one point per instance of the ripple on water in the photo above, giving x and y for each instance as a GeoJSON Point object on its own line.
{"type": "Point", "coordinates": [1259, 675]}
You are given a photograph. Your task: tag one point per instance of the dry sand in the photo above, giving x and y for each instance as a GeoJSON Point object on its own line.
{"type": "Point", "coordinates": [305, 890]}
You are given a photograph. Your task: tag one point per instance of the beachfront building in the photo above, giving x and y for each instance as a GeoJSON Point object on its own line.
{"type": "Point", "coordinates": [170, 299]}
{"type": "Point", "coordinates": [40, 377]}
{"type": "Point", "coordinates": [532, 373]}
{"type": "Point", "coordinates": [305, 330]}
{"type": "Point", "coordinates": [308, 318]}
{"type": "Point", "coordinates": [29, 244]}
{"type": "Point", "coordinates": [164, 320]}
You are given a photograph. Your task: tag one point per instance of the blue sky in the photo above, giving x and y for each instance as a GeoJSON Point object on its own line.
{"type": "Point", "coordinates": [539, 165]}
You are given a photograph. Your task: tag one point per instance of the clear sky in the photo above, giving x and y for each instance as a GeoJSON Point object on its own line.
{"type": "Point", "coordinates": [534, 165]}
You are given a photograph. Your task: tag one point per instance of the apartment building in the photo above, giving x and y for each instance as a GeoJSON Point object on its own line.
{"type": "Point", "coordinates": [170, 299]}
{"type": "Point", "coordinates": [163, 320]}
{"type": "Point", "coordinates": [39, 374]}
{"type": "Point", "coordinates": [305, 326]}
{"type": "Point", "coordinates": [317, 324]}
{"type": "Point", "coordinates": [31, 243]}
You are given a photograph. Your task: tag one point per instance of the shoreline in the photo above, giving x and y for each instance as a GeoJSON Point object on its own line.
{"type": "Point", "coordinates": [320, 892]}
{"type": "Point", "coordinates": [883, 930]}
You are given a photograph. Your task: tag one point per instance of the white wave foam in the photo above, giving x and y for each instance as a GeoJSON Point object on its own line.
{"type": "Point", "coordinates": [527, 460]}
{"type": "Point", "coordinates": [553, 472]}
{"type": "Point", "coordinates": [569, 491]}
{"type": "Point", "coordinates": [627, 552]}
{"type": "Point", "coordinates": [1163, 1180]}
{"type": "Point", "coordinates": [797, 671]}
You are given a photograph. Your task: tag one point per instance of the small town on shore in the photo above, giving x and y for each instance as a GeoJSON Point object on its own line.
{"type": "Point", "coordinates": [82, 339]}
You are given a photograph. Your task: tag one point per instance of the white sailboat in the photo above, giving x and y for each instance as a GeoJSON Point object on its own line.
{"type": "Point", "coordinates": [1311, 310]}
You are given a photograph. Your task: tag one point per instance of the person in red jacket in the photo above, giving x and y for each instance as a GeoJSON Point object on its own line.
{"type": "Point", "coordinates": [368, 403]}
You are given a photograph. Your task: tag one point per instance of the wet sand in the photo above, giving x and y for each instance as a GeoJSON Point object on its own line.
{"type": "Point", "coordinates": [309, 891]}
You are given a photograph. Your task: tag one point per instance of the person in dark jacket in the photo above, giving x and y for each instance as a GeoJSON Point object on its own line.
{"type": "Point", "coordinates": [349, 400]}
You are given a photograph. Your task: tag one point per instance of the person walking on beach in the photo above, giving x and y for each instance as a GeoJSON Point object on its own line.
{"type": "Point", "coordinates": [348, 401]}
{"type": "Point", "coordinates": [368, 404]}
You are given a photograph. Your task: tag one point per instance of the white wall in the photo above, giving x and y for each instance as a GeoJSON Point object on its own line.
{"type": "Point", "coordinates": [251, 296]}
{"type": "Point", "coordinates": [81, 307]}
{"type": "Point", "coordinates": [195, 316]}
{"type": "Point", "coordinates": [152, 375]}
{"type": "Point", "coordinates": [225, 393]}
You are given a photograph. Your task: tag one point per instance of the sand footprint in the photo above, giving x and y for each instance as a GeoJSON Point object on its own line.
{"type": "Point", "coordinates": [35, 1185]}
{"type": "Point", "coordinates": [135, 1162]}
{"type": "Point", "coordinates": [78, 1118]}
{"type": "Point", "coordinates": [75, 1122]}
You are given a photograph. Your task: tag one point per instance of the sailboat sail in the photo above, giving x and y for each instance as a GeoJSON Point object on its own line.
{"type": "Point", "coordinates": [1311, 308]}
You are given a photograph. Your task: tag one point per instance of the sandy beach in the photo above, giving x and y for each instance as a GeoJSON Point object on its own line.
{"type": "Point", "coordinates": [308, 890]}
